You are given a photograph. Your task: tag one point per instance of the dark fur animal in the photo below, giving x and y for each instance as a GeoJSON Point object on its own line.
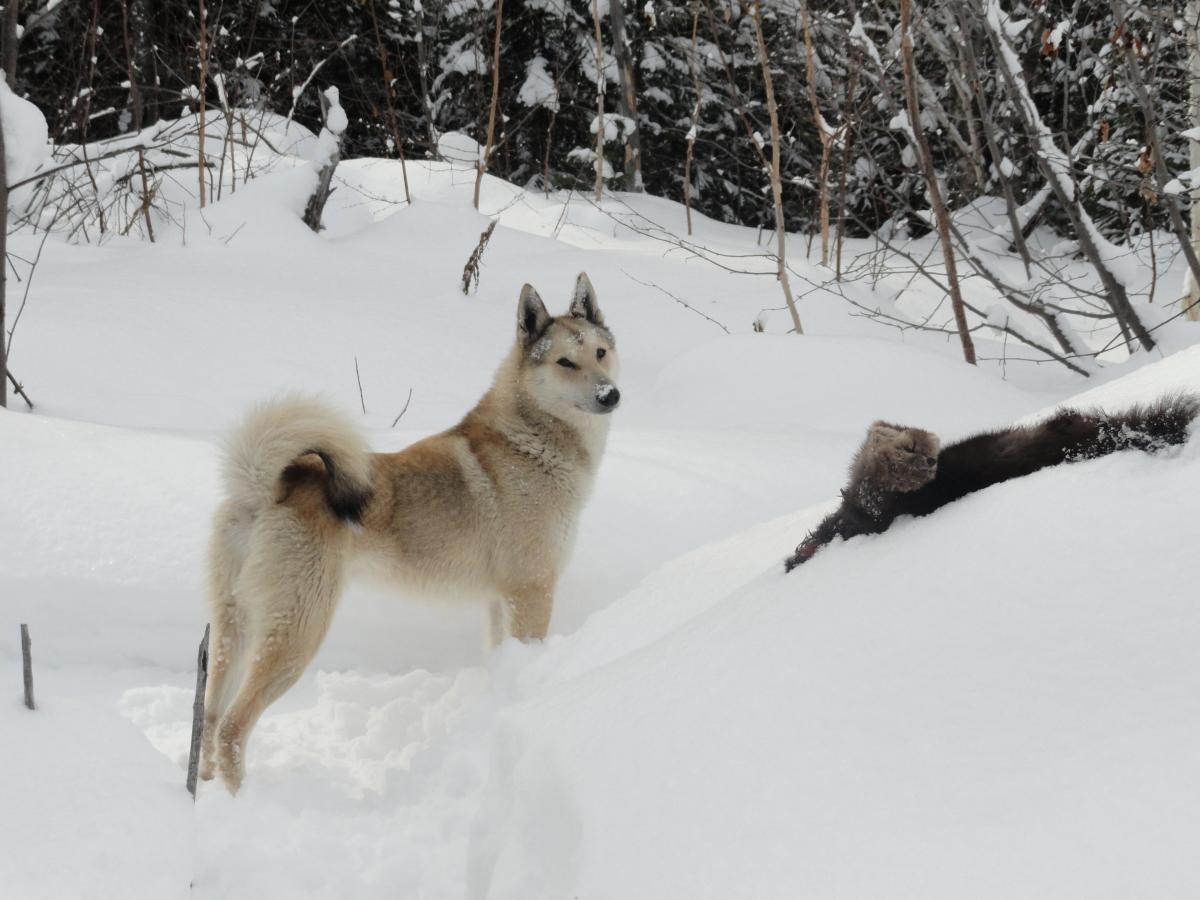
{"type": "Point", "coordinates": [899, 471]}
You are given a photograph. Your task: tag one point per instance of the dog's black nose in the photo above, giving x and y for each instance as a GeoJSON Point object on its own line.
{"type": "Point", "coordinates": [609, 396]}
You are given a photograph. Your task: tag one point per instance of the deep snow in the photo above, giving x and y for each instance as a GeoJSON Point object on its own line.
{"type": "Point", "coordinates": [999, 700]}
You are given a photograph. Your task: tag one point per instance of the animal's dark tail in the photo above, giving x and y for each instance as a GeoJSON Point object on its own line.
{"type": "Point", "coordinates": [1148, 427]}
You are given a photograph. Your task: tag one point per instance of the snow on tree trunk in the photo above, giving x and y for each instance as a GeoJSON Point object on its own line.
{"type": "Point", "coordinates": [326, 156]}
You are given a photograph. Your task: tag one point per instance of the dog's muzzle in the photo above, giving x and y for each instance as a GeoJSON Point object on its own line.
{"type": "Point", "coordinates": [608, 396]}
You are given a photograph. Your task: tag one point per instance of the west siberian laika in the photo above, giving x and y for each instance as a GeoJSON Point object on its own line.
{"type": "Point", "coordinates": [487, 508]}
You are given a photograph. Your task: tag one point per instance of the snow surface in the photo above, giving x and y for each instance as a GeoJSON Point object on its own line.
{"type": "Point", "coordinates": [1000, 700]}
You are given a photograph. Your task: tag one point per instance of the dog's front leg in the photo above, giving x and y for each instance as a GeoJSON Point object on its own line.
{"type": "Point", "coordinates": [527, 608]}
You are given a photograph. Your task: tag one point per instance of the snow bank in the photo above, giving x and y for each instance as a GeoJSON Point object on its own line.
{"type": "Point", "coordinates": [26, 136]}
{"type": "Point", "coordinates": [995, 701]}
{"type": "Point", "coordinates": [90, 809]}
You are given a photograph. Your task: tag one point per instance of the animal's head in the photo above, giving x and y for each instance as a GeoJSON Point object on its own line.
{"type": "Point", "coordinates": [568, 363]}
{"type": "Point", "coordinates": [903, 459]}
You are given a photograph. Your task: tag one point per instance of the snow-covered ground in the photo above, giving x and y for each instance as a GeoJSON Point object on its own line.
{"type": "Point", "coordinates": [1001, 700]}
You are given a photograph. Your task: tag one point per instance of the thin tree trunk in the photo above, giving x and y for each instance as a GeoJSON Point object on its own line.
{"type": "Point", "coordinates": [146, 63]}
{"type": "Point", "coordinates": [9, 40]}
{"type": "Point", "coordinates": [131, 68]}
{"type": "Point", "coordinates": [627, 97]}
{"type": "Point", "coordinates": [1154, 144]}
{"type": "Point", "coordinates": [390, 95]}
{"type": "Point", "coordinates": [423, 73]}
{"type": "Point", "coordinates": [200, 169]}
{"type": "Point", "coordinates": [1192, 24]}
{"type": "Point", "coordinates": [3, 268]}
{"type": "Point", "coordinates": [967, 36]}
{"type": "Point", "coordinates": [599, 101]}
{"type": "Point", "coordinates": [941, 215]}
{"type": "Point", "coordinates": [692, 132]}
{"type": "Point", "coordinates": [823, 131]}
{"type": "Point", "coordinates": [776, 185]}
{"type": "Point", "coordinates": [849, 122]}
{"type": "Point", "coordinates": [485, 158]}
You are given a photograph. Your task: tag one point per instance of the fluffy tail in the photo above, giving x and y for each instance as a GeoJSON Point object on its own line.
{"type": "Point", "coordinates": [261, 450]}
{"type": "Point", "coordinates": [1150, 427]}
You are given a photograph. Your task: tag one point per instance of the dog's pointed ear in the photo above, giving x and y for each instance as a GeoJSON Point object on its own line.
{"type": "Point", "coordinates": [532, 318]}
{"type": "Point", "coordinates": [583, 304]}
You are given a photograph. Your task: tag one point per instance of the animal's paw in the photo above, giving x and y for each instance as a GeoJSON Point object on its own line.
{"type": "Point", "coordinates": [901, 459]}
{"type": "Point", "coordinates": [806, 551]}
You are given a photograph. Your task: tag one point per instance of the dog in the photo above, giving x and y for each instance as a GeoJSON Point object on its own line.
{"type": "Point", "coordinates": [487, 508]}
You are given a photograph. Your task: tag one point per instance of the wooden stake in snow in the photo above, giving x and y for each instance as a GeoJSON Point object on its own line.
{"type": "Point", "coordinates": [27, 667]}
{"type": "Point", "coordinates": [197, 712]}
{"type": "Point", "coordinates": [326, 157]}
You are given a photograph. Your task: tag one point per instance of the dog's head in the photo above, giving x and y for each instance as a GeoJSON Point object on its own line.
{"type": "Point", "coordinates": [568, 363]}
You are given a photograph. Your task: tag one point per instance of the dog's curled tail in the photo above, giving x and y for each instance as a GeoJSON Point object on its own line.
{"type": "Point", "coordinates": [261, 452]}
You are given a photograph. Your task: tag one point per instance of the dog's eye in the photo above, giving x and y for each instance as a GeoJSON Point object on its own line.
{"type": "Point", "coordinates": [600, 353]}
{"type": "Point", "coordinates": [567, 364]}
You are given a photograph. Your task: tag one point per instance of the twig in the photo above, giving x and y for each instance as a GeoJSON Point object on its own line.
{"type": "Point", "coordinates": [25, 297]}
{"type": "Point", "coordinates": [298, 92]}
{"type": "Point", "coordinates": [471, 269]}
{"type": "Point", "coordinates": [678, 300]}
{"type": "Point", "coordinates": [198, 713]}
{"type": "Point", "coordinates": [403, 411]}
{"type": "Point", "coordinates": [358, 378]}
{"type": "Point", "coordinates": [19, 388]}
{"type": "Point", "coordinates": [27, 666]}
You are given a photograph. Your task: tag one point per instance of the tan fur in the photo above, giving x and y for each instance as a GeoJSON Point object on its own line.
{"type": "Point", "coordinates": [896, 458]}
{"type": "Point", "coordinates": [487, 508]}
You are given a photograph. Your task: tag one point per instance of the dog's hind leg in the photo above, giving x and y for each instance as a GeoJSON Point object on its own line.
{"type": "Point", "coordinates": [226, 640]}
{"type": "Point", "coordinates": [289, 589]}
{"type": "Point", "coordinates": [225, 645]}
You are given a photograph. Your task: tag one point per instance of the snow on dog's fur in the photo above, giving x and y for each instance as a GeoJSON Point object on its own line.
{"type": "Point", "coordinates": [489, 507]}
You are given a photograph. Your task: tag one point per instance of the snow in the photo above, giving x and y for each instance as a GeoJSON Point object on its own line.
{"type": "Point", "coordinates": [26, 142]}
{"type": "Point", "coordinates": [335, 116]}
{"type": "Point", "coordinates": [539, 88]}
{"type": "Point", "coordinates": [456, 147]}
{"type": "Point", "coordinates": [998, 700]}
